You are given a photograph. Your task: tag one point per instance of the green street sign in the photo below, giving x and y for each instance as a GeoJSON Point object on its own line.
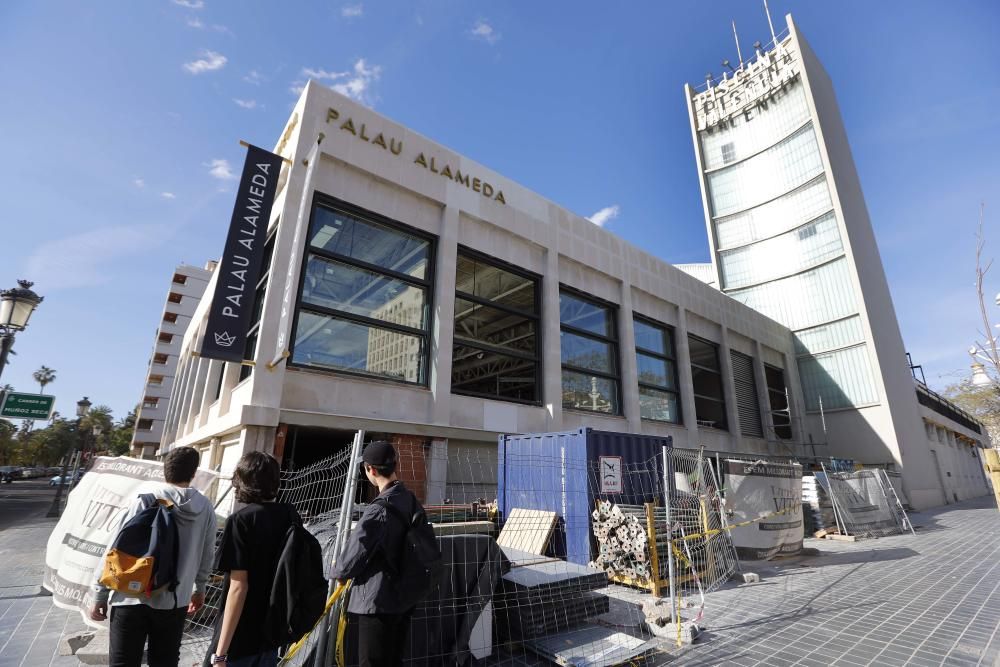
{"type": "Point", "coordinates": [27, 406]}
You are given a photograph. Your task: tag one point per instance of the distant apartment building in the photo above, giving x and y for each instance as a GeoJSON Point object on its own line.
{"type": "Point", "coordinates": [186, 289]}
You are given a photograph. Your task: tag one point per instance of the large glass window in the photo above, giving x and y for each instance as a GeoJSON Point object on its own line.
{"type": "Point", "coordinates": [841, 379]}
{"type": "Point", "coordinates": [777, 394]}
{"type": "Point", "coordinates": [496, 350]}
{"type": "Point", "coordinates": [767, 175]}
{"type": "Point", "coordinates": [657, 366]}
{"type": "Point", "coordinates": [776, 216]}
{"type": "Point", "coordinates": [709, 398]}
{"type": "Point", "coordinates": [747, 402]}
{"type": "Point", "coordinates": [842, 333]}
{"type": "Point", "coordinates": [791, 252]}
{"type": "Point", "coordinates": [807, 299]}
{"type": "Point", "coordinates": [364, 305]}
{"type": "Point", "coordinates": [590, 372]}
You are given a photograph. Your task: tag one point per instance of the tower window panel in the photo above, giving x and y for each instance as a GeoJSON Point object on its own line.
{"type": "Point", "coordinates": [766, 125]}
{"type": "Point", "coordinates": [767, 175]}
{"type": "Point", "coordinates": [840, 379]}
{"type": "Point", "coordinates": [791, 252]}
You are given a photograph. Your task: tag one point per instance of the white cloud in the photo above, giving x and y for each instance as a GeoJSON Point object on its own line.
{"type": "Point", "coordinates": [190, 4]}
{"type": "Point", "coordinates": [484, 31]}
{"type": "Point", "coordinates": [605, 215]}
{"type": "Point", "coordinates": [352, 11]}
{"type": "Point", "coordinates": [139, 183]}
{"type": "Point", "coordinates": [321, 74]}
{"type": "Point", "coordinates": [195, 22]}
{"type": "Point", "coordinates": [221, 170]}
{"type": "Point", "coordinates": [245, 104]}
{"type": "Point", "coordinates": [254, 77]}
{"type": "Point", "coordinates": [84, 260]}
{"type": "Point", "coordinates": [168, 195]}
{"type": "Point", "coordinates": [356, 84]}
{"type": "Point", "coordinates": [209, 62]}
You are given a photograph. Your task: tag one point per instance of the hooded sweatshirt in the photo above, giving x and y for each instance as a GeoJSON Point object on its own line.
{"type": "Point", "coordinates": [196, 528]}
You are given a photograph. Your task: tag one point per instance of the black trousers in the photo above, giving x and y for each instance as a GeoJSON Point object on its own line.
{"type": "Point", "coordinates": [379, 639]}
{"type": "Point", "coordinates": [132, 625]}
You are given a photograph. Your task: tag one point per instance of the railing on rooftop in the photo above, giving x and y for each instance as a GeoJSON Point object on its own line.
{"type": "Point", "coordinates": [941, 405]}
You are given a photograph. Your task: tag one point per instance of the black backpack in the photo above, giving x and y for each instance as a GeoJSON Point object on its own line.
{"type": "Point", "coordinates": [420, 566]}
{"type": "Point", "coordinates": [143, 558]}
{"type": "Point", "coordinates": [299, 591]}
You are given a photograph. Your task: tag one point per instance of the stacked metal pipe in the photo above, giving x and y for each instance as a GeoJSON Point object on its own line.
{"type": "Point", "coordinates": [623, 542]}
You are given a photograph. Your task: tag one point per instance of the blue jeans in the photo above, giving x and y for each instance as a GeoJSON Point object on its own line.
{"type": "Point", "coordinates": [265, 659]}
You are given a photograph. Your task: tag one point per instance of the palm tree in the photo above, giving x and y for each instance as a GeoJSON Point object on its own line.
{"type": "Point", "coordinates": [44, 376]}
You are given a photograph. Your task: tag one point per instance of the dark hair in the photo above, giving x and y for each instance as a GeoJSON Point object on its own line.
{"type": "Point", "coordinates": [256, 478]}
{"type": "Point", "coordinates": [384, 470]}
{"type": "Point", "coordinates": [180, 465]}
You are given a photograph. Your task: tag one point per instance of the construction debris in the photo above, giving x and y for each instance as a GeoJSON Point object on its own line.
{"type": "Point", "coordinates": [623, 540]}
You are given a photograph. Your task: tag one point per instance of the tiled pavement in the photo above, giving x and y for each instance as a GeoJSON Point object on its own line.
{"type": "Point", "coordinates": [30, 626]}
{"type": "Point", "coordinates": [924, 600]}
{"type": "Point", "coordinates": [932, 599]}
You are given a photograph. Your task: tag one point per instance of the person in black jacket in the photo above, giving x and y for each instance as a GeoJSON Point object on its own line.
{"type": "Point", "coordinates": [376, 620]}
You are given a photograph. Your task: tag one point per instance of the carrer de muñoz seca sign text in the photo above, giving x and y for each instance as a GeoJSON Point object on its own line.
{"type": "Point", "coordinates": [239, 269]}
{"type": "Point", "coordinates": [395, 146]}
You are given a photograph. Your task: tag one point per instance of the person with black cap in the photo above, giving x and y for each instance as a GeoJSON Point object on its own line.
{"type": "Point", "coordinates": [378, 623]}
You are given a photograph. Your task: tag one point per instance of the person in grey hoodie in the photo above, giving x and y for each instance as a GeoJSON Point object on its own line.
{"type": "Point", "coordinates": [159, 619]}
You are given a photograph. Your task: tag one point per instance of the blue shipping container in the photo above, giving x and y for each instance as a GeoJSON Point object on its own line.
{"type": "Point", "coordinates": [567, 472]}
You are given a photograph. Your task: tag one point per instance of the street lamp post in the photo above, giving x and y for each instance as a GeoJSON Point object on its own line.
{"type": "Point", "coordinates": [16, 307]}
{"type": "Point", "coordinates": [82, 409]}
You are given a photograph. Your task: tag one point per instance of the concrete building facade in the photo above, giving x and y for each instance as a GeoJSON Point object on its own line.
{"type": "Point", "coordinates": [790, 236]}
{"type": "Point", "coordinates": [414, 293]}
{"type": "Point", "coordinates": [187, 286]}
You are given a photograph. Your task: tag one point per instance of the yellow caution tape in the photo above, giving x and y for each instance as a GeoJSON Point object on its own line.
{"type": "Point", "coordinates": [332, 600]}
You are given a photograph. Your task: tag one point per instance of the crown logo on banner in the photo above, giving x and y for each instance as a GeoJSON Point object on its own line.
{"type": "Point", "coordinates": [224, 339]}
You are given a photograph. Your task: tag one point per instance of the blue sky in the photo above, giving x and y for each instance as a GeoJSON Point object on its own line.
{"type": "Point", "coordinates": [122, 119]}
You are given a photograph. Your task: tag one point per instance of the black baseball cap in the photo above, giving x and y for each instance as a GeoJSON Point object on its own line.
{"type": "Point", "coordinates": [379, 453]}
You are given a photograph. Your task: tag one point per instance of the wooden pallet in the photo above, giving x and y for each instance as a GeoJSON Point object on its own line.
{"type": "Point", "coordinates": [527, 530]}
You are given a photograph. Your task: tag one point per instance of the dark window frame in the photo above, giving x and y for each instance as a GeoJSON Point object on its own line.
{"type": "Point", "coordinates": [672, 359]}
{"type": "Point", "coordinates": [427, 283]}
{"type": "Point", "coordinates": [250, 346]}
{"type": "Point", "coordinates": [787, 411]}
{"type": "Point", "coordinates": [613, 342]}
{"type": "Point", "coordinates": [722, 385]}
{"type": "Point", "coordinates": [482, 257]}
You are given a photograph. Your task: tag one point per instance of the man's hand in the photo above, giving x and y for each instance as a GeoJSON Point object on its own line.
{"type": "Point", "coordinates": [99, 612]}
{"type": "Point", "coordinates": [197, 601]}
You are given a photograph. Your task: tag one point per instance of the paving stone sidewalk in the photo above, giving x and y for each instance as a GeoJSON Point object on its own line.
{"type": "Point", "coordinates": [925, 600]}
{"type": "Point", "coordinates": [30, 625]}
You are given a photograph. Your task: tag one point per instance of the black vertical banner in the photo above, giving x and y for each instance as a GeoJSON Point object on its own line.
{"type": "Point", "coordinates": [239, 270]}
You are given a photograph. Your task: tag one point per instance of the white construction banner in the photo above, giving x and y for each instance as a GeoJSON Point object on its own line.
{"type": "Point", "coordinates": [862, 504]}
{"type": "Point", "coordinates": [767, 498]}
{"type": "Point", "coordinates": [90, 521]}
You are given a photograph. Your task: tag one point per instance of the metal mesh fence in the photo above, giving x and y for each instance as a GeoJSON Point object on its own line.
{"type": "Point", "coordinates": [546, 559]}
{"type": "Point", "coordinates": [865, 503]}
{"type": "Point", "coordinates": [317, 492]}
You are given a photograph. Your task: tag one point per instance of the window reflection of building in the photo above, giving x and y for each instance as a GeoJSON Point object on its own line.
{"type": "Point", "coordinates": [363, 306]}
{"type": "Point", "coordinates": [591, 375]}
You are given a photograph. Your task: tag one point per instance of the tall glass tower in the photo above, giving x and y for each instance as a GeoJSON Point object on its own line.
{"type": "Point", "coordinates": [790, 237]}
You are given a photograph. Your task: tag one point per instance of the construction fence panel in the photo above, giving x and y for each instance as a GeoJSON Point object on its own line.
{"type": "Point", "coordinates": [865, 503]}
{"type": "Point", "coordinates": [317, 493]}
